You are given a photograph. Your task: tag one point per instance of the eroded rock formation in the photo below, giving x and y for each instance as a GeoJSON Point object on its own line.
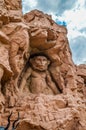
{"type": "Point", "coordinates": [38, 78]}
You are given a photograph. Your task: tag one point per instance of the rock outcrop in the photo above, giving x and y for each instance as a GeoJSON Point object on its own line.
{"type": "Point", "coordinates": [38, 78]}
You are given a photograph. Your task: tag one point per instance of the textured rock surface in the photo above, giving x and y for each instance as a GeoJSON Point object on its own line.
{"type": "Point", "coordinates": [23, 38]}
{"type": "Point", "coordinates": [10, 11]}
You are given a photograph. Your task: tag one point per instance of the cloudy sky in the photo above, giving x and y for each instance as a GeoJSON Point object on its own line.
{"type": "Point", "coordinates": [71, 13]}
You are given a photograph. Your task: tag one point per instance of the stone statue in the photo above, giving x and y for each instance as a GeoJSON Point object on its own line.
{"type": "Point", "coordinates": [37, 77]}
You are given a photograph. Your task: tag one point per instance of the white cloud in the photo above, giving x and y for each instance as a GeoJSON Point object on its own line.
{"type": "Point", "coordinates": [32, 3]}
{"type": "Point", "coordinates": [78, 48]}
{"type": "Point", "coordinates": [28, 5]}
{"type": "Point", "coordinates": [47, 6]}
{"type": "Point", "coordinates": [76, 19]}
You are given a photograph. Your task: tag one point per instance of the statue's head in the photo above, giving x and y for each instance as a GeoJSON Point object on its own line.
{"type": "Point", "coordinates": [39, 62]}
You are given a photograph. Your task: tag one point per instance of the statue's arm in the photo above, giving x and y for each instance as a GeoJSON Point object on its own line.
{"type": "Point", "coordinates": [51, 84]}
{"type": "Point", "coordinates": [25, 77]}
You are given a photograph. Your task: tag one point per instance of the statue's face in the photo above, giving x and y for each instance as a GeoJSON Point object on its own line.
{"type": "Point", "coordinates": [40, 63]}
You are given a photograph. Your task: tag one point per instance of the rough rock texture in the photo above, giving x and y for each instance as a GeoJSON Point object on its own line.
{"type": "Point", "coordinates": [38, 78]}
{"type": "Point", "coordinates": [10, 11]}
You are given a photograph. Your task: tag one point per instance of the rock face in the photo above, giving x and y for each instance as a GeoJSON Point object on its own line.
{"type": "Point", "coordinates": [10, 11]}
{"type": "Point", "coordinates": [38, 78]}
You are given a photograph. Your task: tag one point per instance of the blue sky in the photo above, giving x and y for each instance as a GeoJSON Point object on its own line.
{"type": "Point", "coordinates": [71, 13]}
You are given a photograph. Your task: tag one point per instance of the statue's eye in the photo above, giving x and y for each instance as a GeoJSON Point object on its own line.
{"type": "Point", "coordinates": [44, 60]}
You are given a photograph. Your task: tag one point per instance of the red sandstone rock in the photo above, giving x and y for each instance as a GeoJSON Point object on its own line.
{"type": "Point", "coordinates": [49, 92]}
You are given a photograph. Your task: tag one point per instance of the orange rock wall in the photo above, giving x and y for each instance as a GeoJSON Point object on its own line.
{"type": "Point", "coordinates": [24, 36]}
